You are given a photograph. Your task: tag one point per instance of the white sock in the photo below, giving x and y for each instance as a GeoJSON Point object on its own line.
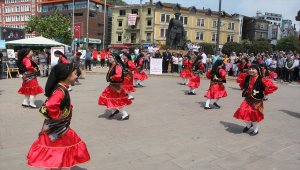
{"type": "Point", "coordinates": [129, 95]}
{"type": "Point", "coordinates": [248, 124]}
{"type": "Point", "coordinates": [193, 90]}
{"type": "Point", "coordinates": [32, 100]}
{"type": "Point", "coordinates": [124, 113]}
{"type": "Point", "coordinates": [135, 82]}
{"type": "Point", "coordinates": [255, 126]}
{"type": "Point", "coordinates": [207, 103]}
{"type": "Point", "coordinates": [26, 100]}
{"type": "Point", "coordinates": [218, 99]}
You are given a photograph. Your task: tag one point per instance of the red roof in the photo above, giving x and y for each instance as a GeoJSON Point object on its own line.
{"type": "Point", "coordinates": [61, 1]}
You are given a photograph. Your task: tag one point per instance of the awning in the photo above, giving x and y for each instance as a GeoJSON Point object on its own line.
{"type": "Point", "coordinates": [119, 46]}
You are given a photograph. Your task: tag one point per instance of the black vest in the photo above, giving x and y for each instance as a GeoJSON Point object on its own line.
{"type": "Point", "coordinates": [111, 73]}
{"type": "Point", "coordinates": [257, 90]}
{"type": "Point", "coordinates": [218, 76]}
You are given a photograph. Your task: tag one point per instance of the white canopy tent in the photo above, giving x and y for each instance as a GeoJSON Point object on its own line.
{"type": "Point", "coordinates": [36, 41]}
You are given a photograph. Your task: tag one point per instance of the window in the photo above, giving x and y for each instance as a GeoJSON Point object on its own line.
{"type": "Point", "coordinates": [135, 11]}
{"type": "Point", "coordinates": [184, 20]}
{"type": "Point", "coordinates": [231, 25]}
{"type": "Point", "coordinates": [214, 37]}
{"type": "Point", "coordinates": [261, 26]}
{"type": "Point", "coordinates": [119, 37]}
{"type": "Point", "coordinates": [215, 24]}
{"type": "Point", "coordinates": [199, 36]}
{"type": "Point", "coordinates": [120, 22]}
{"type": "Point", "coordinates": [149, 22]}
{"type": "Point", "coordinates": [164, 18]}
{"type": "Point", "coordinates": [200, 22]}
{"type": "Point", "coordinates": [148, 37]}
{"type": "Point", "coordinates": [163, 33]}
{"type": "Point", "coordinates": [229, 38]}
{"type": "Point", "coordinates": [122, 12]}
{"type": "Point", "coordinates": [149, 11]}
{"type": "Point", "coordinates": [78, 14]}
{"type": "Point", "coordinates": [261, 35]}
{"type": "Point", "coordinates": [167, 18]}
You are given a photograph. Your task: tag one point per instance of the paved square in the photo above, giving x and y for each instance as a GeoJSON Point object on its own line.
{"type": "Point", "coordinates": [167, 130]}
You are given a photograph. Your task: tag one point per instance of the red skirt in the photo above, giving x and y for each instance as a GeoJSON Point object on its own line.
{"type": "Point", "coordinates": [140, 75]}
{"type": "Point", "coordinates": [128, 84]}
{"type": "Point", "coordinates": [194, 81]}
{"type": "Point", "coordinates": [241, 79]}
{"type": "Point", "coordinates": [248, 113]}
{"type": "Point", "coordinates": [112, 99]}
{"type": "Point", "coordinates": [65, 152]}
{"type": "Point", "coordinates": [215, 91]}
{"type": "Point", "coordinates": [31, 87]}
{"type": "Point", "coordinates": [186, 73]}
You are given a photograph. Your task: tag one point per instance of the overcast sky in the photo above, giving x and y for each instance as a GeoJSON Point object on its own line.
{"type": "Point", "coordinates": [288, 8]}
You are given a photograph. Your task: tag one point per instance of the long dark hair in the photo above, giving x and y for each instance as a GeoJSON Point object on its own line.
{"type": "Point", "coordinates": [136, 61]}
{"type": "Point", "coordinates": [266, 70]}
{"type": "Point", "coordinates": [60, 53]}
{"type": "Point", "coordinates": [215, 68]}
{"type": "Point", "coordinates": [21, 55]}
{"type": "Point", "coordinates": [196, 63]}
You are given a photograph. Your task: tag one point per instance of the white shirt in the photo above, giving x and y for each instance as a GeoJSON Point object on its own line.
{"type": "Point", "coordinates": [175, 60]}
{"type": "Point", "coordinates": [150, 49]}
{"type": "Point", "coordinates": [180, 60]}
{"type": "Point", "coordinates": [136, 51]}
{"type": "Point", "coordinates": [195, 48]}
{"type": "Point", "coordinates": [204, 58]}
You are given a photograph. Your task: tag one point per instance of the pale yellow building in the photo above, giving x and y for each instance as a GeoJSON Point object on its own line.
{"type": "Point", "coordinates": [200, 25]}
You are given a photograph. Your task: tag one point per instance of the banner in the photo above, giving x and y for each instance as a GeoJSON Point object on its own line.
{"type": "Point", "coordinates": [54, 59]}
{"type": "Point", "coordinates": [10, 53]}
{"type": "Point", "coordinates": [156, 66]}
{"type": "Point", "coordinates": [132, 19]}
{"type": "Point", "coordinates": [77, 30]}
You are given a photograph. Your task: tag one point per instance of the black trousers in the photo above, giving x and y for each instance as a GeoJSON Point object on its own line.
{"type": "Point", "coordinates": [165, 66]}
{"type": "Point", "coordinates": [102, 62]}
{"type": "Point", "coordinates": [88, 64]}
{"type": "Point", "coordinates": [289, 75]}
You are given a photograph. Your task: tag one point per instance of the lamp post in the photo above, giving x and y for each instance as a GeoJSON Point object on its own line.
{"type": "Point", "coordinates": [218, 27]}
{"type": "Point", "coordinates": [73, 20]}
{"type": "Point", "coordinates": [87, 24]}
{"type": "Point", "coordinates": [104, 30]}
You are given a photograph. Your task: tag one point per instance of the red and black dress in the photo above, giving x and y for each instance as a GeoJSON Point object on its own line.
{"type": "Point", "coordinates": [195, 78]}
{"type": "Point", "coordinates": [243, 72]}
{"type": "Point", "coordinates": [30, 85]}
{"type": "Point", "coordinates": [216, 89]}
{"type": "Point", "coordinates": [139, 73]}
{"type": "Point", "coordinates": [251, 109]}
{"type": "Point", "coordinates": [114, 96]}
{"type": "Point", "coordinates": [63, 60]}
{"type": "Point", "coordinates": [58, 146]}
{"type": "Point", "coordinates": [187, 69]}
{"type": "Point", "coordinates": [128, 77]}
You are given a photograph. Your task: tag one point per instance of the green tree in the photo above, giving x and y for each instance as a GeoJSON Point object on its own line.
{"type": "Point", "coordinates": [230, 47]}
{"type": "Point", "coordinates": [116, 2]}
{"type": "Point", "coordinates": [207, 47]}
{"type": "Point", "coordinates": [260, 46]}
{"type": "Point", "coordinates": [288, 44]}
{"type": "Point", "coordinates": [55, 26]}
{"type": "Point", "coordinates": [246, 45]}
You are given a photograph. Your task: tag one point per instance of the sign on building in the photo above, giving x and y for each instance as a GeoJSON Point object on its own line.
{"type": "Point", "coordinates": [77, 30]}
{"type": "Point", "coordinates": [132, 19]}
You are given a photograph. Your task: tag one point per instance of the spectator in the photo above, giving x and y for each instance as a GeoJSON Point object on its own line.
{"type": "Point", "coordinates": [95, 56]}
{"type": "Point", "coordinates": [150, 49]}
{"type": "Point", "coordinates": [88, 59]}
{"type": "Point", "coordinates": [102, 58]}
{"type": "Point", "coordinates": [1, 65]}
{"type": "Point", "coordinates": [180, 60]}
{"type": "Point", "coordinates": [175, 62]}
{"type": "Point", "coordinates": [216, 57]}
{"type": "Point", "coordinates": [290, 67]}
{"type": "Point", "coordinates": [43, 63]}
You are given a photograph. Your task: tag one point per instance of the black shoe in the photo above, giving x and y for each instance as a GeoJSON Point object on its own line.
{"type": "Point", "coordinates": [191, 93]}
{"type": "Point", "coordinates": [246, 129]}
{"type": "Point", "coordinates": [125, 118]}
{"type": "Point", "coordinates": [253, 133]}
{"type": "Point", "coordinates": [24, 105]}
{"type": "Point", "coordinates": [113, 114]}
{"type": "Point", "coordinates": [206, 108]}
{"type": "Point", "coordinates": [140, 85]}
{"type": "Point", "coordinates": [216, 104]}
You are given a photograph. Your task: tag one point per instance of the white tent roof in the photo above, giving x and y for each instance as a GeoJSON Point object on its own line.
{"type": "Point", "coordinates": [36, 41]}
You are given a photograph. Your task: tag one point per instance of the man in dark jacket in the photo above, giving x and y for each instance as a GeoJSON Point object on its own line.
{"type": "Point", "coordinates": [167, 56]}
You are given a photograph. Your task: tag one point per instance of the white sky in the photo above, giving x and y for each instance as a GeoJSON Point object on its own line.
{"type": "Point", "coordinates": [288, 8]}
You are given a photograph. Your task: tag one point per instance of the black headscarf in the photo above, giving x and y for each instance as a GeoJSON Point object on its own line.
{"type": "Point", "coordinates": [21, 55]}
{"type": "Point", "coordinates": [58, 73]}
{"type": "Point", "coordinates": [215, 67]}
{"type": "Point", "coordinates": [128, 56]}
{"type": "Point", "coordinates": [266, 70]}
{"type": "Point", "coordinates": [256, 67]}
{"type": "Point", "coordinates": [118, 59]}
{"type": "Point", "coordinates": [60, 53]}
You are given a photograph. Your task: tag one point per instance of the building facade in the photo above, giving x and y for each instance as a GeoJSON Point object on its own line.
{"type": "Point", "coordinates": [152, 22]}
{"type": "Point", "coordinates": [255, 29]}
{"type": "Point", "coordinates": [88, 22]}
{"type": "Point", "coordinates": [272, 18]}
{"type": "Point", "coordinates": [15, 13]}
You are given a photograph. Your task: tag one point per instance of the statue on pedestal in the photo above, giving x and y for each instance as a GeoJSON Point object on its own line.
{"type": "Point", "coordinates": [175, 33]}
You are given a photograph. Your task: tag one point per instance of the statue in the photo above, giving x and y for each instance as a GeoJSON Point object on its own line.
{"type": "Point", "coordinates": [175, 33]}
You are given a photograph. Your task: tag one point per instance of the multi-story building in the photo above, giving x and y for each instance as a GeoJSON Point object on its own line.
{"type": "Point", "coordinates": [88, 22]}
{"type": "Point", "coordinates": [274, 33]}
{"type": "Point", "coordinates": [152, 21]}
{"type": "Point", "coordinates": [287, 28]}
{"type": "Point", "coordinates": [255, 29]}
{"type": "Point", "coordinates": [272, 18]}
{"type": "Point", "coordinates": [15, 13]}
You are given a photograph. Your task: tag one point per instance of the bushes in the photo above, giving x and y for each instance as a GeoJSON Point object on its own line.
{"type": "Point", "coordinates": [230, 47]}
{"type": "Point", "coordinates": [208, 49]}
{"type": "Point", "coordinates": [288, 44]}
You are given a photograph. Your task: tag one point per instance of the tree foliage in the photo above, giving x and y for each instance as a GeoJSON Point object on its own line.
{"type": "Point", "coordinates": [260, 46]}
{"type": "Point", "coordinates": [56, 26]}
{"type": "Point", "coordinates": [288, 44]}
{"type": "Point", "coordinates": [207, 47]}
{"type": "Point", "coordinates": [230, 47]}
{"type": "Point", "coordinates": [116, 2]}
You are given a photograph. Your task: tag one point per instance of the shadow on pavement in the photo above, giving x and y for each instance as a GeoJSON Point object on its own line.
{"type": "Point", "coordinates": [232, 128]}
{"type": "Point", "coordinates": [39, 103]}
{"type": "Point", "coordinates": [202, 104]}
{"type": "Point", "coordinates": [105, 114]}
{"type": "Point", "coordinates": [294, 114]}
{"type": "Point", "coordinates": [235, 88]}
{"type": "Point", "coordinates": [78, 168]}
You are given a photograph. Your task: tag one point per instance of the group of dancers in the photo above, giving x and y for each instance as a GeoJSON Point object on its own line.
{"type": "Point", "coordinates": [58, 146]}
{"type": "Point", "coordinates": [254, 79]}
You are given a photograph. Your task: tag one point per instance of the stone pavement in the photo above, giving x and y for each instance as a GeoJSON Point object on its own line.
{"type": "Point", "coordinates": [167, 130]}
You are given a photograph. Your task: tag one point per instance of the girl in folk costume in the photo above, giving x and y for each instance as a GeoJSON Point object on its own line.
{"type": "Point", "coordinates": [216, 89]}
{"type": "Point", "coordinates": [195, 78]}
{"type": "Point", "coordinates": [128, 75]}
{"type": "Point", "coordinates": [30, 87]}
{"type": "Point", "coordinates": [267, 74]}
{"type": "Point", "coordinates": [139, 74]}
{"type": "Point", "coordinates": [58, 146]}
{"type": "Point", "coordinates": [251, 109]}
{"type": "Point", "coordinates": [114, 97]}
{"type": "Point", "coordinates": [186, 73]}
{"type": "Point", "coordinates": [243, 72]}
{"type": "Point", "coordinates": [62, 59]}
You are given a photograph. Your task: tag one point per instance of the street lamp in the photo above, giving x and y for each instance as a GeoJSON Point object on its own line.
{"type": "Point", "coordinates": [87, 24]}
{"type": "Point", "coordinates": [218, 29]}
{"type": "Point", "coordinates": [104, 23]}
